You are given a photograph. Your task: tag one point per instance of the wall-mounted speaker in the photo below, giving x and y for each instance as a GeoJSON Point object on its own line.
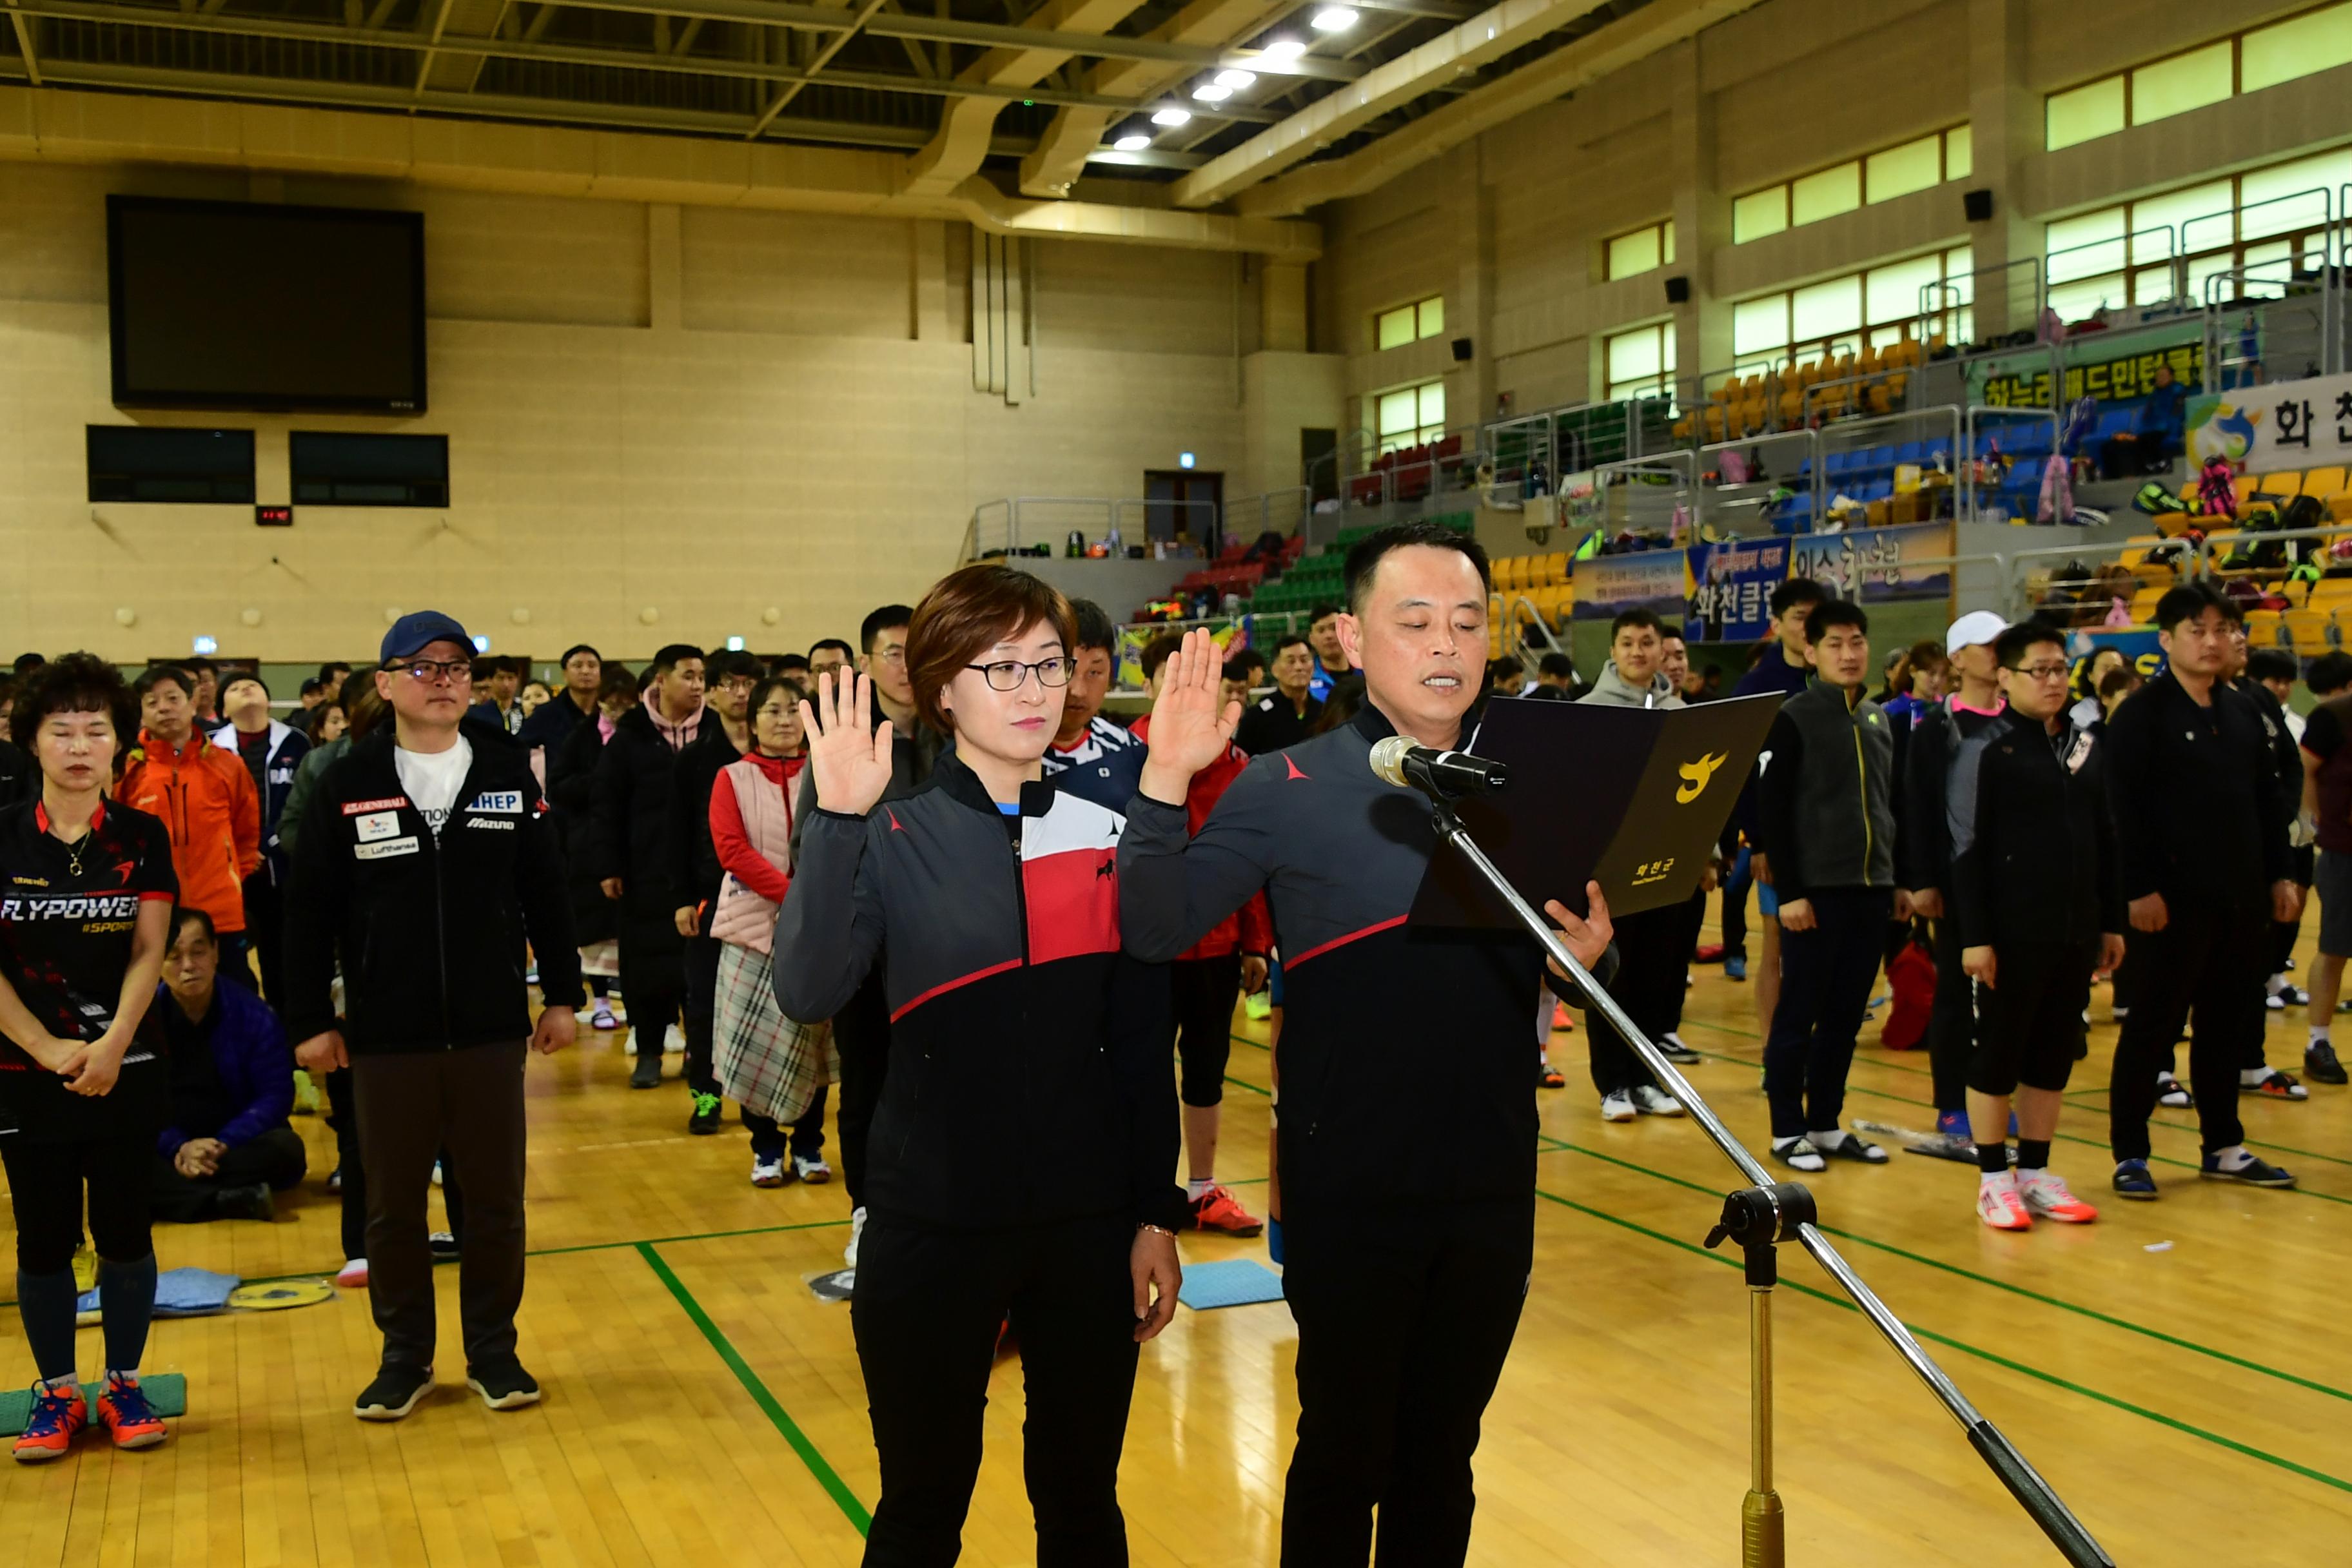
{"type": "Point", "coordinates": [1978, 204]}
{"type": "Point", "coordinates": [1677, 290]}
{"type": "Point", "coordinates": [1462, 347]}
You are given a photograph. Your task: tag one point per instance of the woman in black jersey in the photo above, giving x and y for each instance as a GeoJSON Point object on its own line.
{"type": "Point", "coordinates": [86, 897]}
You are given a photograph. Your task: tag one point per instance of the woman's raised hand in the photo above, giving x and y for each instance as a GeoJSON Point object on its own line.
{"type": "Point", "coordinates": [848, 754]}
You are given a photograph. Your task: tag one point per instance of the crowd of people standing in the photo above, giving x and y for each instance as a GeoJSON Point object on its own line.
{"type": "Point", "coordinates": [925, 882]}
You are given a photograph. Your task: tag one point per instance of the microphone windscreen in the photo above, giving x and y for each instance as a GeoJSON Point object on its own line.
{"type": "Point", "coordinates": [1387, 759]}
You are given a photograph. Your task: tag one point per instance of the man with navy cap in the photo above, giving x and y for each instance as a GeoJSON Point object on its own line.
{"type": "Point", "coordinates": [426, 862]}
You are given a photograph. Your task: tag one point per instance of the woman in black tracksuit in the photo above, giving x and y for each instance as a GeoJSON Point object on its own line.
{"type": "Point", "coordinates": [1020, 1159]}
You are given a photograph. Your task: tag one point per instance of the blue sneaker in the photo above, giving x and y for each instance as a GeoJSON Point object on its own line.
{"type": "Point", "coordinates": [2132, 1180]}
{"type": "Point", "coordinates": [2254, 1173]}
{"type": "Point", "coordinates": [1954, 1124]}
{"type": "Point", "coordinates": [1735, 969]}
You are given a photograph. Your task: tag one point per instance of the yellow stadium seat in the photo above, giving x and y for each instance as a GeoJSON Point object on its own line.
{"type": "Point", "coordinates": [2322, 482]}
{"type": "Point", "coordinates": [2264, 628]}
{"type": "Point", "coordinates": [1507, 573]}
{"type": "Point", "coordinates": [2308, 631]}
{"type": "Point", "coordinates": [2142, 605]}
{"type": "Point", "coordinates": [2281, 486]}
{"type": "Point", "coordinates": [1557, 564]}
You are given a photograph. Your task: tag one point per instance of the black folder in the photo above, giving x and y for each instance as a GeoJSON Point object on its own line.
{"type": "Point", "coordinates": [1634, 798]}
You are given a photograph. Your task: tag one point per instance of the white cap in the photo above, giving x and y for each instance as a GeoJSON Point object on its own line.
{"type": "Point", "coordinates": [1976, 627]}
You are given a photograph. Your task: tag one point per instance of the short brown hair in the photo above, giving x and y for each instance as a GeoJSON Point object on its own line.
{"type": "Point", "coordinates": [970, 609]}
{"type": "Point", "coordinates": [1157, 652]}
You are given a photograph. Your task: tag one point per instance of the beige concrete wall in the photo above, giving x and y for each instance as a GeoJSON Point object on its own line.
{"type": "Point", "coordinates": [1779, 90]}
{"type": "Point", "coordinates": [713, 414]}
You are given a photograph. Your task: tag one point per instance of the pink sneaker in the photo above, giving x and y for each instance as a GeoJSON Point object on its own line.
{"type": "Point", "coordinates": [1217, 1209]}
{"type": "Point", "coordinates": [2046, 1194]}
{"type": "Point", "coordinates": [353, 1275]}
{"type": "Point", "coordinates": [2000, 1205]}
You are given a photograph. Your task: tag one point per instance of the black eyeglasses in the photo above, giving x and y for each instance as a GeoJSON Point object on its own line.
{"type": "Point", "coordinates": [1006, 675]}
{"type": "Point", "coordinates": [2037, 671]}
{"type": "Point", "coordinates": [455, 671]}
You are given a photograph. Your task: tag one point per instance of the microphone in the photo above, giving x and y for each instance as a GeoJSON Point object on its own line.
{"type": "Point", "coordinates": [1445, 774]}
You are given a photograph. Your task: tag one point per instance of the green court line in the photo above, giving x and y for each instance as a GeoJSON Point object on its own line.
{"type": "Point", "coordinates": [1961, 1345]}
{"type": "Point", "coordinates": [1561, 1145]}
{"type": "Point", "coordinates": [1965, 1349]}
{"type": "Point", "coordinates": [2154, 1159]}
{"type": "Point", "coordinates": [835, 1487]}
{"type": "Point", "coordinates": [1861, 1060]}
{"type": "Point", "coordinates": [698, 1236]}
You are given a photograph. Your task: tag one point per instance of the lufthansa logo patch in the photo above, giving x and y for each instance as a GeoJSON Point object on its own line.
{"type": "Point", "coordinates": [385, 849]}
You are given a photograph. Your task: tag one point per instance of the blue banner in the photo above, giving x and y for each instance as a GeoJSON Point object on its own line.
{"type": "Point", "coordinates": [1732, 589]}
{"type": "Point", "coordinates": [1873, 565]}
{"type": "Point", "coordinates": [1656, 580]}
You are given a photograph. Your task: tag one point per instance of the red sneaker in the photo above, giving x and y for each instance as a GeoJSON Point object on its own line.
{"type": "Point", "coordinates": [127, 1415]}
{"type": "Point", "coordinates": [58, 1419]}
{"type": "Point", "coordinates": [1710, 953]}
{"type": "Point", "coordinates": [1219, 1210]}
{"type": "Point", "coordinates": [1559, 1016]}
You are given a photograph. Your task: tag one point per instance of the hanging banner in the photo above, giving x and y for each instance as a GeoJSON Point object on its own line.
{"type": "Point", "coordinates": [1876, 565]}
{"type": "Point", "coordinates": [2108, 380]}
{"type": "Point", "coordinates": [2287, 425]}
{"type": "Point", "coordinates": [1656, 580]}
{"type": "Point", "coordinates": [1732, 589]}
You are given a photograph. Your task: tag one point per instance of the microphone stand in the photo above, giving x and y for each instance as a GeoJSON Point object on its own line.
{"type": "Point", "coordinates": [1759, 1217]}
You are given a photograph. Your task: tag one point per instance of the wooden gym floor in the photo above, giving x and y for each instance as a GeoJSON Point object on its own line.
{"type": "Point", "coordinates": [2181, 1371]}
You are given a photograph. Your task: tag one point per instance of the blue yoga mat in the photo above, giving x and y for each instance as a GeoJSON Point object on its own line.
{"type": "Point", "coordinates": [1236, 1282]}
{"type": "Point", "coordinates": [179, 1293]}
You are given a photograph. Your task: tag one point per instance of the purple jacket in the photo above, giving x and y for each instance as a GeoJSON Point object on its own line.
{"type": "Point", "coordinates": [249, 1052]}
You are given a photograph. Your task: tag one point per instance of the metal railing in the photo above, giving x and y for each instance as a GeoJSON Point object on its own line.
{"type": "Point", "coordinates": [1019, 523]}
{"type": "Point", "coordinates": [1970, 459]}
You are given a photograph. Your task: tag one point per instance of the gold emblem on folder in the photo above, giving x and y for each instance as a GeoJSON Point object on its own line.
{"type": "Point", "coordinates": [1696, 777]}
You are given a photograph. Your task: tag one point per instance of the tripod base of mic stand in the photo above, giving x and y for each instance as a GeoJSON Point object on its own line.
{"type": "Point", "coordinates": [1761, 1524]}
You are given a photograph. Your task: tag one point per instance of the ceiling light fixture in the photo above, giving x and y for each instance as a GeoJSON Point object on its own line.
{"type": "Point", "coordinates": [1132, 143]}
{"type": "Point", "coordinates": [1172, 116]}
{"type": "Point", "coordinates": [1282, 51]}
{"type": "Point", "coordinates": [1236, 79]}
{"type": "Point", "coordinates": [1210, 92]}
{"type": "Point", "coordinates": [1335, 20]}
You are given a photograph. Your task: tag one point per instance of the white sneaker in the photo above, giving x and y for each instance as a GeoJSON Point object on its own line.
{"type": "Point", "coordinates": [2001, 1205]}
{"type": "Point", "coordinates": [672, 1042]}
{"type": "Point", "coordinates": [811, 1169]}
{"type": "Point", "coordinates": [767, 1173]}
{"type": "Point", "coordinates": [1617, 1105]}
{"type": "Point", "coordinates": [1651, 1101]}
{"type": "Point", "coordinates": [2047, 1196]}
{"type": "Point", "coordinates": [857, 1230]}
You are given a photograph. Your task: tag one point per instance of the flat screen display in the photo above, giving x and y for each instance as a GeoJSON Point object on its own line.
{"type": "Point", "coordinates": [254, 306]}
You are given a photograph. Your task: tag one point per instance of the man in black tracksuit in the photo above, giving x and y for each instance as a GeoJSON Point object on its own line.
{"type": "Point", "coordinates": [2036, 907]}
{"type": "Point", "coordinates": [1825, 822]}
{"type": "Point", "coordinates": [1406, 1278]}
{"type": "Point", "coordinates": [425, 865]}
{"type": "Point", "coordinates": [1923, 855]}
{"type": "Point", "coordinates": [2206, 870]}
{"type": "Point", "coordinates": [633, 848]}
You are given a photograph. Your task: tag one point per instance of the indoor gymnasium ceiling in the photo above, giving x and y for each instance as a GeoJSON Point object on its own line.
{"type": "Point", "coordinates": [1036, 91]}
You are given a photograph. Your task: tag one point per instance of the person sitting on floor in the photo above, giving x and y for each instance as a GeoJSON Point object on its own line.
{"type": "Point", "coordinates": [227, 1145]}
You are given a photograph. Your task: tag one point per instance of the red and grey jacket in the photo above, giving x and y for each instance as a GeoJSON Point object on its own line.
{"type": "Point", "coordinates": [1028, 1082]}
{"type": "Point", "coordinates": [1394, 1036]}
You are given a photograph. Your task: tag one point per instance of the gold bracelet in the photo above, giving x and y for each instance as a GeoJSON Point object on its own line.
{"type": "Point", "coordinates": [1157, 1230]}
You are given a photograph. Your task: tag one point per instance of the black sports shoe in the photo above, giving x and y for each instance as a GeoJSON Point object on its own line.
{"type": "Point", "coordinates": [646, 1074]}
{"type": "Point", "coordinates": [443, 1245]}
{"type": "Point", "coordinates": [2254, 1173]}
{"type": "Point", "coordinates": [704, 1118]}
{"type": "Point", "coordinates": [1672, 1046]}
{"type": "Point", "coordinates": [398, 1387]}
{"type": "Point", "coordinates": [2320, 1063]}
{"type": "Point", "coordinates": [245, 1203]}
{"type": "Point", "coordinates": [503, 1385]}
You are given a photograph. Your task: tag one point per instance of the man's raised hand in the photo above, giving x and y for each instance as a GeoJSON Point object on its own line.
{"type": "Point", "coordinates": [850, 754]}
{"type": "Point", "coordinates": [1192, 724]}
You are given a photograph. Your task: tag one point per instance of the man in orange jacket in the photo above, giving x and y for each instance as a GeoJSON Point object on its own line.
{"type": "Point", "coordinates": [205, 798]}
